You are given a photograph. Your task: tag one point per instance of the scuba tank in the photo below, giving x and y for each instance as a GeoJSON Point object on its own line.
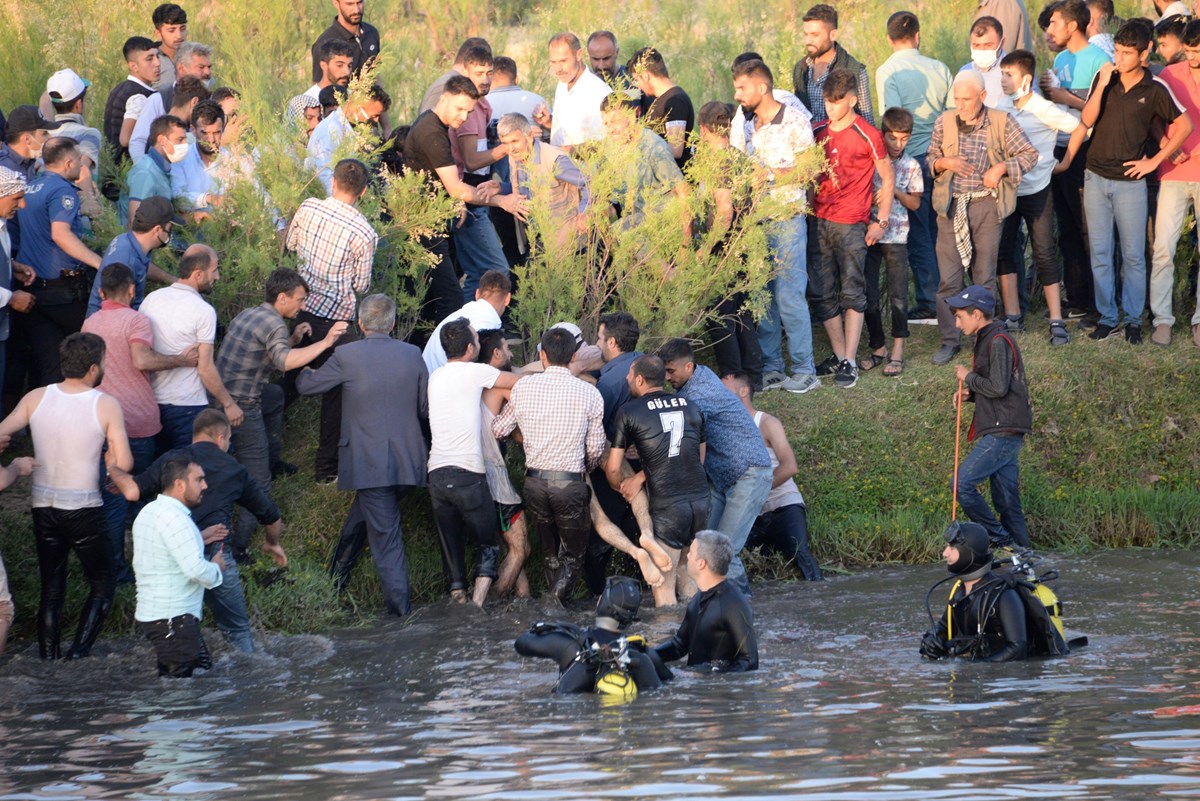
{"type": "Point", "coordinates": [613, 679]}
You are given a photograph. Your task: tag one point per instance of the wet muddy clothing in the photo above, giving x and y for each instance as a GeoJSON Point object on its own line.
{"type": "Point", "coordinates": [563, 643]}
{"type": "Point", "coordinates": [986, 625]}
{"type": "Point", "coordinates": [717, 631]}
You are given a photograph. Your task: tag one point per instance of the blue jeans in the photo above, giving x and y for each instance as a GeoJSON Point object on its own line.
{"type": "Point", "coordinates": [176, 426]}
{"type": "Point", "coordinates": [116, 508]}
{"type": "Point", "coordinates": [733, 513]}
{"type": "Point", "coordinates": [227, 602]}
{"type": "Point", "coordinates": [1122, 202]}
{"type": "Point", "coordinates": [788, 309]}
{"type": "Point", "coordinates": [995, 458]}
{"type": "Point", "coordinates": [922, 244]}
{"type": "Point", "coordinates": [477, 249]}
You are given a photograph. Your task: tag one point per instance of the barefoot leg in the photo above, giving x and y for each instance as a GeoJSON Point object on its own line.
{"type": "Point", "coordinates": [612, 534]}
{"type": "Point", "coordinates": [516, 538]}
{"type": "Point", "coordinates": [665, 595]}
{"type": "Point", "coordinates": [482, 585]}
{"type": "Point", "coordinates": [641, 511]}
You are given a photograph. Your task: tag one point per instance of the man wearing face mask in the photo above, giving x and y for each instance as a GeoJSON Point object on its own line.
{"type": "Point", "coordinates": [192, 179]}
{"type": "Point", "coordinates": [151, 176]}
{"type": "Point", "coordinates": [150, 230]}
{"type": "Point", "coordinates": [986, 52]}
{"type": "Point", "coordinates": [51, 227]}
{"type": "Point", "coordinates": [27, 131]}
{"type": "Point", "coordinates": [1014, 21]}
{"type": "Point", "coordinates": [192, 59]}
{"type": "Point", "coordinates": [356, 111]}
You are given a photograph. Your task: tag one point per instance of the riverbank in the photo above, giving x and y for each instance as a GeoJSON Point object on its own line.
{"type": "Point", "coordinates": [1111, 464]}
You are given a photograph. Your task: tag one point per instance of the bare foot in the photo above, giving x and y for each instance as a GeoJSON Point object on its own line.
{"type": "Point", "coordinates": [458, 596]}
{"type": "Point", "coordinates": [661, 558]}
{"type": "Point", "coordinates": [650, 572]}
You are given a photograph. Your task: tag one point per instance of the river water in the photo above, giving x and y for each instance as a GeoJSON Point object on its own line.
{"type": "Point", "coordinates": [442, 707]}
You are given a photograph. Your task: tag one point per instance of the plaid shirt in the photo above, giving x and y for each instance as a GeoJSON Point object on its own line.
{"type": "Point", "coordinates": [1020, 155]}
{"type": "Point", "coordinates": [168, 560]}
{"type": "Point", "coordinates": [336, 246]}
{"type": "Point", "coordinates": [256, 343]}
{"type": "Point", "coordinates": [561, 418]}
{"type": "Point", "coordinates": [816, 96]}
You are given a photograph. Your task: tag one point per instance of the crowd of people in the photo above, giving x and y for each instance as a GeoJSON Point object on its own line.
{"type": "Point", "coordinates": [139, 415]}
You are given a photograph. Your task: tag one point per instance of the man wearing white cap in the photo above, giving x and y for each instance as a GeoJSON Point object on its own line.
{"type": "Point", "coordinates": [67, 93]}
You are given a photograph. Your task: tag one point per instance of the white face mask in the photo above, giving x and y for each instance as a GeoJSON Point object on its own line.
{"type": "Point", "coordinates": [1025, 88]}
{"type": "Point", "coordinates": [178, 152]}
{"type": "Point", "coordinates": [984, 59]}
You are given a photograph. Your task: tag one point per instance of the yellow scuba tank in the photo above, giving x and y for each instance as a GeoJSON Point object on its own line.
{"type": "Point", "coordinates": [1050, 600]}
{"type": "Point", "coordinates": [617, 684]}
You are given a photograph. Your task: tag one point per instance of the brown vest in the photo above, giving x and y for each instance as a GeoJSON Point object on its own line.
{"type": "Point", "coordinates": [1006, 192]}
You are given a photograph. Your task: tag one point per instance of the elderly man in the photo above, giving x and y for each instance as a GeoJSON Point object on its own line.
{"type": "Point", "coordinates": [972, 193]}
{"type": "Point", "coordinates": [545, 172]}
{"type": "Point", "coordinates": [192, 59]}
{"type": "Point", "coordinates": [576, 118]}
{"type": "Point", "coordinates": [12, 198]}
{"type": "Point", "coordinates": [382, 451]}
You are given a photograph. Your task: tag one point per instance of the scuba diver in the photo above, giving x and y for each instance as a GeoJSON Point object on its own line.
{"type": "Point", "coordinates": [600, 658]}
{"type": "Point", "coordinates": [992, 617]}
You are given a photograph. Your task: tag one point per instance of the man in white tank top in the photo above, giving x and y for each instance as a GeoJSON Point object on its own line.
{"type": "Point", "coordinates": [782, 525]}
{"type": "Point", "coordinates": [71, 422]}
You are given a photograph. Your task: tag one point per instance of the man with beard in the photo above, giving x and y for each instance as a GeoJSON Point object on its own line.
{"type": "Point", "coordinates": [824, 55]}
{"type": "Point", "coordinates": [348, 27]}
{"type": "Point", "coordinates": [337, 65]}
{"type": "Point", "coordinates": [193, 178]}
{"type": "Point", "coordinates": [367, 109]}
{"type": "Point", "coordinates": [192, 59]}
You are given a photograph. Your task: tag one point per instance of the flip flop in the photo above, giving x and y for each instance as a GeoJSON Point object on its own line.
{"type": "Point", "coordinates": [894, 368]}
{"type": "Point", "coordinates": [871, 361]}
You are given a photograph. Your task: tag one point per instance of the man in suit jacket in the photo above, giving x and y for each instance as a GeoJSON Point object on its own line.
{"type": "Point", "coordinates": [382, 452]}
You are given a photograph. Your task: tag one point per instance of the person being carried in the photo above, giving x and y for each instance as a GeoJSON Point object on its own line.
{"type": "Point", "coordinates": [589, 658]}
{"type": "Point", "coordinates": [717, 631]}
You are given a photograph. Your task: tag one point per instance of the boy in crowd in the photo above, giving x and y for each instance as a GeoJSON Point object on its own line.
{"type": "Point", "coordinates": [892, 248]}
{"type": "Point", "coordinates": [845, 230]}
{"type": "Point", "coordinates": [995, 383]}
{"type": "Point", "coordinates": [1042, 121]}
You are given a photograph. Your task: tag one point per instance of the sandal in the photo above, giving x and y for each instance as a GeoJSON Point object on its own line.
{"type": "Point", "coordinates": [871, 361]}
{"type": "Point", "coordinates": [894, 368]}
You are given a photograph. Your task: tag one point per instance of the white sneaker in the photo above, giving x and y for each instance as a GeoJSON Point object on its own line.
{"type": "Point", "coordinates": [801, 383]}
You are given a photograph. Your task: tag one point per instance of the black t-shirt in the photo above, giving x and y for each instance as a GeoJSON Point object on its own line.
{"type": "Point", "coordinates": [667, 431]}
{"type": "Point", "coordinates": [365, 46]}
{"type": "Point", "coordinates": [1123, 126]}
{"type": "Point", "coordinates": [427, 147]}
{"type": "Point", "coordinates": [673, 105]}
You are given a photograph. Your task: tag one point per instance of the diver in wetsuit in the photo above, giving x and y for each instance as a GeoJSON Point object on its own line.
{"type": "Point", "coordinates": [985, 616]}
{"type": "Point", "coordinates": [585, 656]}
{"type": "Point", "coordinates": [718, 628]}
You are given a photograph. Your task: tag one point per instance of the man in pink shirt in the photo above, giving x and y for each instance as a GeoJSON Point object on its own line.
{"type": "Point", "coordinates": [1180, 176]}
{"type": "Point", "coordinates": [129, 355]}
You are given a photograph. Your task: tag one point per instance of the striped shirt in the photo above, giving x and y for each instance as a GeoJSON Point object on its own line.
{"type": "Point", "coordinates": [561, 419]}
{"type": "Point", "coordinates": [336, 246]}
{"type": "Point", "coordinates": [168, 561]}
{"type": "Point", "coordinates": [256, 343]}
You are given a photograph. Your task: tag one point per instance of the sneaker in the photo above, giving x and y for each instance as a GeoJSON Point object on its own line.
{"type": "Point", "coordinates": [772, 380]}
{"type": "Point", "coordinates": [801, 383]}
{"type": "Point", "coordinates": [1076, 314]}
{"type": "Point", "coordinates": [829, 366]}
{"type": "Point", "coordinates": [846, 376]}
{"type": "Point", "coordinates": [1014, 325]}
{"type": "Point", "coordinates": [1133, 334]}
{"type": "Point", "coordinates": [921, 314]}
{"type": "Point", "coordinates": [325, 481]}
{"type": "Point", "coordinates": [1058, 333]}
{"type": "Point", "coordinates": [1104, 332]}
{"type": "Point", "coordinates": [945, 353]}
{"type": "Point", "coordinates": [1089, 320]}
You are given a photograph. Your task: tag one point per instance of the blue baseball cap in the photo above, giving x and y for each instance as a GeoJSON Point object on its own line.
{"type": "Point", "coordinates": [979, 297]}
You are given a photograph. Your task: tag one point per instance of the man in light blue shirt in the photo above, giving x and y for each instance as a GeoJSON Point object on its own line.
{"type": "Point", "coordinates": [172, 573]}
{"type": "Point", "coordinates": [326, 139]}
{"type": "Point", "coordinates": [151, 177]}
{"type": "Point", "coordinates": [193, 178]}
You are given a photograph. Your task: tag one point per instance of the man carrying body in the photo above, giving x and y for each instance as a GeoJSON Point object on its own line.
{"type": "Point", "coordinates": [70, 423]}
{"type": "Point", "coordinates": [335, 245]}
{"type": "Point", "coordinates": [717, 631]}
{"type": "Point", "coordinates": [228, 483]}
{"type": "Point", "coordinates": [669, 435]}
{"type": "Point", "coordinates": [381, 451]}
{"type": "Point", "coordinates": [576, 118]}
{"type": "Point", "coordinates": [172, 572]}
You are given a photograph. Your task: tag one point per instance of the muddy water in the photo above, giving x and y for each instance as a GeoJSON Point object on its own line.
{"type": "Point", "coordinates": [442, 708]}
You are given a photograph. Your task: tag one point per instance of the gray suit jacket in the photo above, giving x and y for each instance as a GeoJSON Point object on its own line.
{"type": "Point", "coordinates": [384, 399]}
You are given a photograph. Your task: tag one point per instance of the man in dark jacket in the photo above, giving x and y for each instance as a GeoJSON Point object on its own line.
{"type": "Point", "coordinates": [823, 56]}
{"type": "Point", "coordinates": [1003, 416]}
{"type": "Point", "coordinates": [382, 454]}
{"type": "Point", "coordinates": [718, 628]}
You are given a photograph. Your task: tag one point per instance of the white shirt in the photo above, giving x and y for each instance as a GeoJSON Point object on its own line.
{"type": "Point", "coordinates": [513, 100]}
{"type": "Point", "coordinates": [483, 317]}
{"type": "Point", "coordinates": [314, 92]}
{"type": "Point", "coordinates": [168, 561]}
{"type": "Point", "coordinates": [180, 318]}
{"type": "Point", "coordinates": [324, 141]}
{"type": "Point", "coordinates": [455, 417]}
{"type": "Point", "coordinates": [576, 117]}
{"type": "Point", "coordinates": [135, 104]}
{"type": "Point", "coordinates": [152, 110]}
{"type": "Point", "coordinates": [741, 129]}
{"type": "Point", "coordinates": [193, 181]}
{"type": "Point", "coordinates": [1042, 121]}
{"type": "Point", "coordinates": [1175, 9]}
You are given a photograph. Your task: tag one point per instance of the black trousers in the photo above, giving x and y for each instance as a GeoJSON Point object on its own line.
{"type": "Point", "coordinates": [58, 532]}
{"type": "Point", "coordinates": [1067, 192]}
{"type": "Point", "coordinates": [37, 335]}
{"type": "Point", "coordinates": [734, 338]}
{"type": "Point", "coordinates": [444, 295]}
{"type": "Point", "coordinates": [326, 465]}
{"type": "Point", "coordinates": [562, 514]}
{"type": "Point", "coordinates": [785, 530]}
{"type": "Point", "coordinates": [463, 509]}
{"type": "Point", "coordinates": [178, 645]}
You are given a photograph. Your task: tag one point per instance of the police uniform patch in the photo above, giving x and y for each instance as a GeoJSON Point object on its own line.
{"type": "Point", "coordinates": [68, 202]}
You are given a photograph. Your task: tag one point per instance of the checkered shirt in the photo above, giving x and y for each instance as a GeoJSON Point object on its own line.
{"type": "Point", "coordinates": [336, 246]}
{"type": "Point", "coordinates": [255, 344]}
{"type": "Point", "coordinates": [561, 419]}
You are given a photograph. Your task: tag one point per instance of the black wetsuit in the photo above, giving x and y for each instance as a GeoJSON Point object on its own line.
{"type": "Point", "coordinates": [1004, 635]}
{"type": "Point", "coordinates": [717, 630]}
{"type": "Point", "coordinates": [563, 642]}
{"type": "Point", "coordinates": [667, 432]}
